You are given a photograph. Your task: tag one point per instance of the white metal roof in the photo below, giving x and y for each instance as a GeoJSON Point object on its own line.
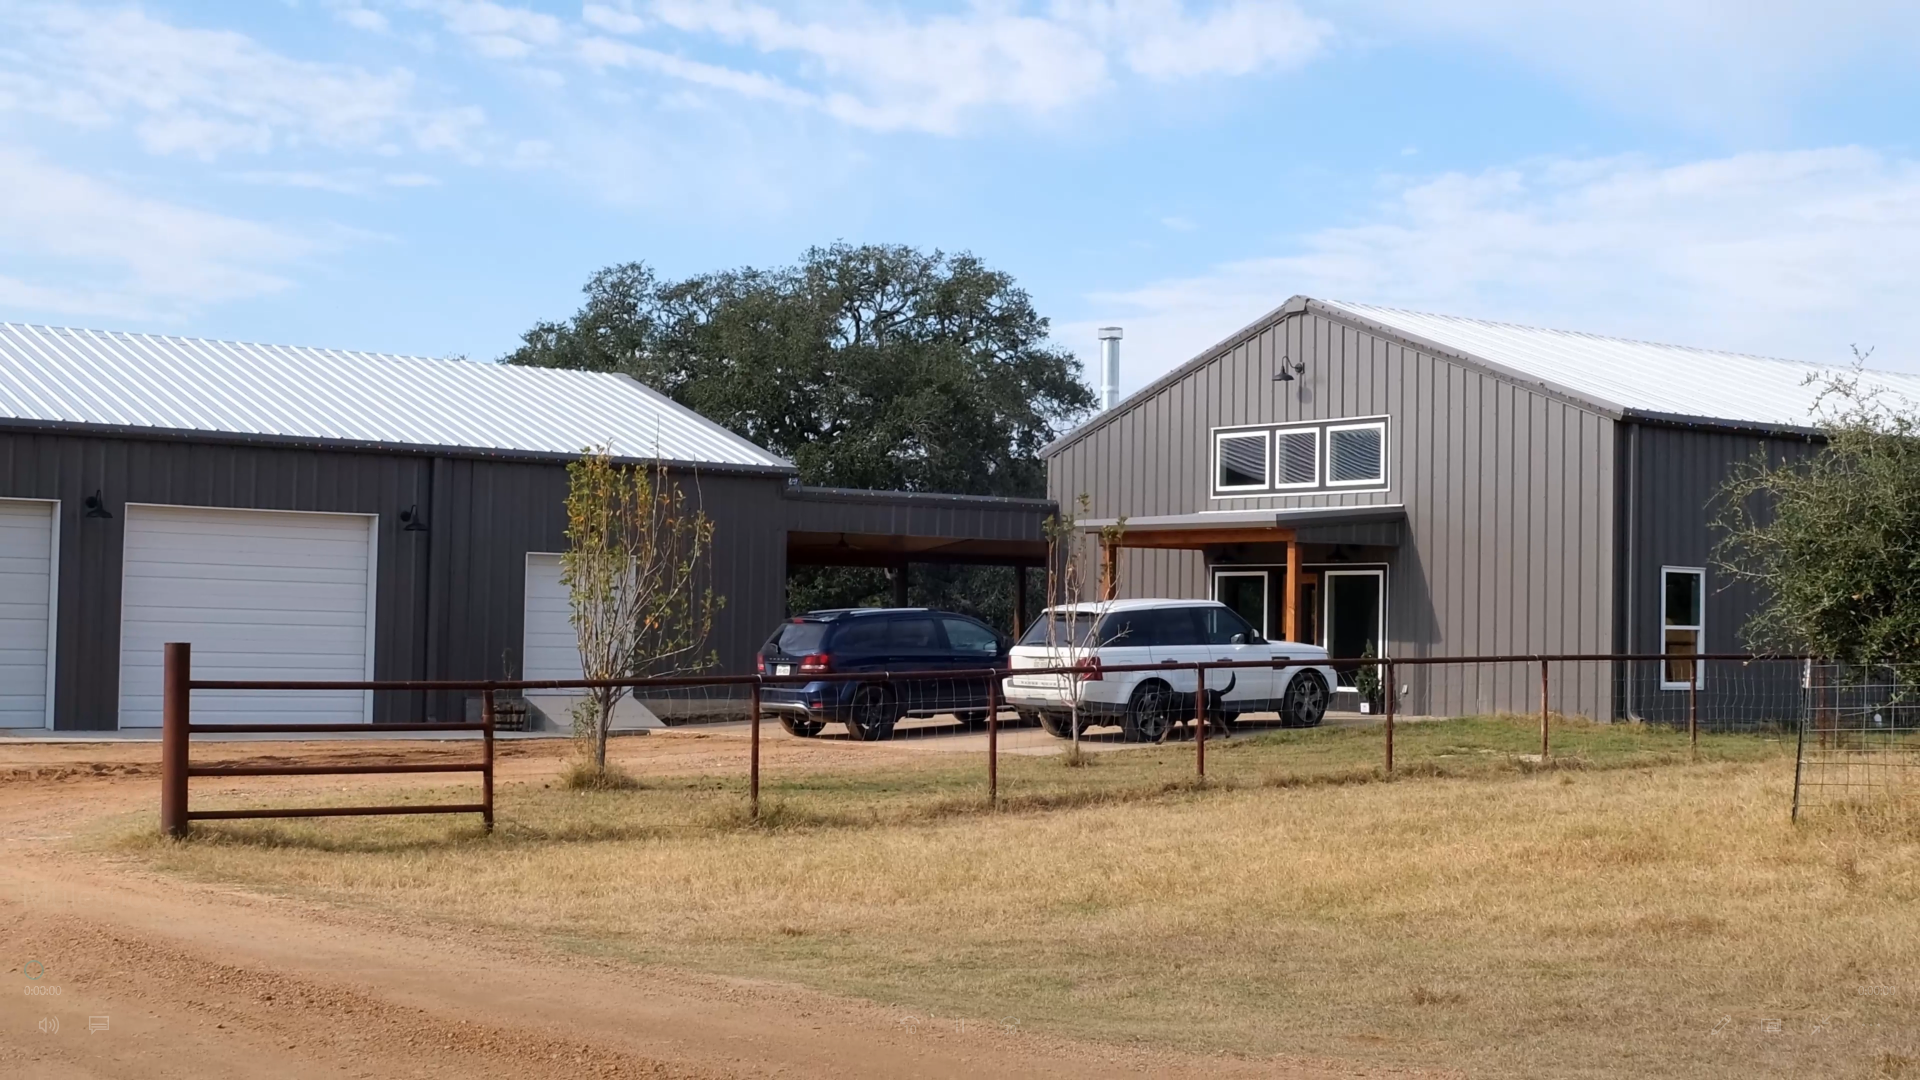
{"type": "Point", "coordinates": [60, 375]}
{"type": "Point", "coordinates": [1633, 376]}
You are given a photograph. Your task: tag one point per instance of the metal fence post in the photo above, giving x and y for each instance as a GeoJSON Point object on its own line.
{"type": "Point", "coordinates": [1544, 748]}
{"type": "Point", "coordinates": [1693, 709]}
{"type": "Point", "coordinates": [753, 754]}
{"type": "Point", "coordinates": [486, 773]}
{"type": "Point", "coordinates": [993, 740]}
{"type": "Point", "coordinates": [175, 716]}
{"type": "Point", "coordinates": [1386, 667]}
{"type": "Point", "coordinates": [1200, 720]}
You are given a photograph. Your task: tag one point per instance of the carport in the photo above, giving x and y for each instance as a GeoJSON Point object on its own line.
{"type": "Point", "coordinates": [896, 529]}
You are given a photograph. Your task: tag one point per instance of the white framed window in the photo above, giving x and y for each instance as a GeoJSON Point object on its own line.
{"type": "Point", "coordinates": [1296, 457]}
{"type": "Point", "coordinates": [1240, 461]}
{"type": "Point", "coordinates": [1683, 626]}
{"type": "Point", "coordinates": [1357, 454]}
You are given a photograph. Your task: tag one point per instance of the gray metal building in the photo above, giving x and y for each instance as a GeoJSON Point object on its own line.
{"type": "Point", "coordinates": [1358, 476]}
{"type": "Point", "coordinates": [321, 514]}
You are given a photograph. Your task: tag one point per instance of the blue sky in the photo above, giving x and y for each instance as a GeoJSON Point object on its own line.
{"type": "Point", "coordinates": [431, 176]}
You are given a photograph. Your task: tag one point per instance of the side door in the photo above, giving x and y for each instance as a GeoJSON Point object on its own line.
{"type": "Point", "coordinates": [1179, 640]}
{"type": "Point", "coordinates": [1230, 637]}
{"type": "Point", "coordinates": [915, 644]}
{"type": "Point", "coordinates": [971, 646]}
{"type": "Point", "coordinates": [1125, 638]}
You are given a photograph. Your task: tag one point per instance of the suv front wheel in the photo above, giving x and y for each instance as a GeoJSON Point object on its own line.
{"type": "Point", "coordinates": [1305, 701]}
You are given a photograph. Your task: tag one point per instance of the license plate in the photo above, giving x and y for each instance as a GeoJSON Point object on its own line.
{"type": "Point", "coordinates": [783, 669]}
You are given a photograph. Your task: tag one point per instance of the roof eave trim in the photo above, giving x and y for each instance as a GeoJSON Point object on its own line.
{"type": "Point", "coordinates": [302, 442]}
{"type": "Point", "coordinates": [1610, 410]}
{"type": "Point", "coordinates": [1723, 425]}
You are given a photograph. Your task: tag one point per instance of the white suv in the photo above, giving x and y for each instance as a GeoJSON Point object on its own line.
{"type": "Point", "coordinates": [1146, 704]}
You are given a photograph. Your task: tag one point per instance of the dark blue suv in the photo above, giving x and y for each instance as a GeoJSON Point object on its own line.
{"type": "Point", "coordinates": [876, 640]}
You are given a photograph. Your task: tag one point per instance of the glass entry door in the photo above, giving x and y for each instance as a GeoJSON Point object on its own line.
{"type": "Point", "coordinates": [1245, 591]}
{"type": "Point", "coordinates": [1354, 622]}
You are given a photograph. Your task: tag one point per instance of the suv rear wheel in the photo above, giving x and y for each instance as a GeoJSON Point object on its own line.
{"type": "Point", "coordinates": [798, 728]}
{"type": "Point", "coordinates": [1149, 713]}
{"type": "Point", "coordinates": [871, 716]}
{"type": "Point", "coordinates": [1305, 701]}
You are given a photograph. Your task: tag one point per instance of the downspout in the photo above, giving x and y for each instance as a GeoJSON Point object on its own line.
{"type": "Point", "coordinates": [1633, 562]}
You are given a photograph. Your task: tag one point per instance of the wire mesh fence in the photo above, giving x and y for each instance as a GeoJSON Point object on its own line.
{"type": "Point", "coordinates": [981, 737]}
{"type": "Point", "coordinates": [1860, 743]}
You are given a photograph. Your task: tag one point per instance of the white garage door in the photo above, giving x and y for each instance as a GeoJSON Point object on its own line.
{"type": "Point", "coordinates": [260, 594]}
{"type": "Point", "coordinates": [26, 610]}
{"type": "Point", "coordinates": [552, 650]}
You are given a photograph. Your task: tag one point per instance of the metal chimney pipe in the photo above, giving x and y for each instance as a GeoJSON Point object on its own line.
{"type": "Point", "coordinates": [1109, 367]}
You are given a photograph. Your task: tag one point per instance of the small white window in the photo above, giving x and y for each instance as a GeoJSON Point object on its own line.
{"type": "Point", "coordinates": [1357, 454]}
{"type": "Point", "coordinates": [1683, 594]}
{"type": "Point", "coordinates": [1240, 461]}
{"type": "Point", "coordinates": [1296, 458]}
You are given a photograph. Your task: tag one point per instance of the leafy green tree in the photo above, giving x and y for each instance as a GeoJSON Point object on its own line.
{"type": "Point", "coordinates": [1831, 539]}
{"type": "Point", "coordinates": [872, 366]}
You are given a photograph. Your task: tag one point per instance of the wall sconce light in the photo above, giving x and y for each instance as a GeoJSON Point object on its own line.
{"type": "Point", "coordinates": [96, 506]}
{"type": "Point", "coordinates": [410, 519]}
{"type": "Point", "coordinates": [1299, 368]}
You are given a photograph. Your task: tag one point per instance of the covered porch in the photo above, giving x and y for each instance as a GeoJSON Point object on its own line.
{"type": "Point", "coordinates": [1317, 575]}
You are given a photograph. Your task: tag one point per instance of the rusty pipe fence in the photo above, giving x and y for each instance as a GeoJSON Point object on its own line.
{"type": "Point", "coordinates": [178, 726]}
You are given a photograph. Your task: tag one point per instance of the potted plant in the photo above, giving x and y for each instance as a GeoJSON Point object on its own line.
{"type": "Point", "coordinates": [1366, 681]}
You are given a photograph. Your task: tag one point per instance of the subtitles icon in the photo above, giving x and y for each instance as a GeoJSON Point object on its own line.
{"type": "Point", "coordinates": [96, 1024]}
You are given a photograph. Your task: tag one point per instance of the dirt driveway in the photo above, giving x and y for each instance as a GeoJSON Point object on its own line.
{"type": "Point", "coordinates": [149, 976]}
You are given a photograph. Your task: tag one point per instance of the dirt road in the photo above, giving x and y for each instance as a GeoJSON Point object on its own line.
{"type": "Point", "coordinates": [147, 977]}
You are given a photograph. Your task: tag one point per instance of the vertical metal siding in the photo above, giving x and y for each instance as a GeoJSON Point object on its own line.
{"type": "Point", "coordinates": [1675, 486]}
{"type": "Point", "coordinates": [448, 600]}
{"type": "Point", "coordinates": [1509, 496]}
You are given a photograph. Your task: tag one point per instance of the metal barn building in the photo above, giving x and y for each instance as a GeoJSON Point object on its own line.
{"type": "Point", "coordinates": [312, 513]}
{"type": "Point", "coordinates": [1358, 476]}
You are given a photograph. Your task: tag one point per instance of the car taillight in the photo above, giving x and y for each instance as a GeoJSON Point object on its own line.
{"type": "Point", "coordinates": [761, 667]}
{"type": "Point", "coordinates": [816, 662]}
{"type": "Point", "coordinates": [1092, 669]}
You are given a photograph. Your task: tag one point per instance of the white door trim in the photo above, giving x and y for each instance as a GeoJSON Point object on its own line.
{"type": "Point", "coordinates": [1326, 607]}
{"type": "Point", "coordinates": [1220, 570]}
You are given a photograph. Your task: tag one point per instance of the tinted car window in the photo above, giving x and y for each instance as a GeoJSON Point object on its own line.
{"type": "Point", "coordinates": [1220, 624]}
{"type": "Point", "coordinates": [1059, 629]}
{"type": "Point", "coordinates": [861, 635]}
{"type": "Point", "coordinates": [970, 638]}
{"type": "Point", "coordinates": [1175, 627]}
{"type": "Point", "coordinates": [799, 638]}
{"type": "Point", "coordinates": [1126, 630]}
{"type": "Point", "coordinates": [914, 635]}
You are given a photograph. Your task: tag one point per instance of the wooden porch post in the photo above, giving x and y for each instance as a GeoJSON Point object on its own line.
{"type": "Point", "coordinates": [1109, 571]}
{"type": "Point", "coordinates": [1290, 607]}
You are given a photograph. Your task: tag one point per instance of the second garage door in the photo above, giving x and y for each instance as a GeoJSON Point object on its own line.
{"type": "Point", "coordinates": [261, 594]}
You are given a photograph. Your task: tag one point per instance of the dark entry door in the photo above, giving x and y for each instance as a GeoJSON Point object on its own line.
{"type": "Point", "coordinates": [1353, 616]}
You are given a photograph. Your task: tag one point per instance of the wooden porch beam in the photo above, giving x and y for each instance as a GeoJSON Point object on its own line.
{"type": "Point", "coordinates": [1202, 537]}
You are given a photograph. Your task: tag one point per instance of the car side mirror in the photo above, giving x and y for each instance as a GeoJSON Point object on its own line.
{"type": "Point", "coordinates": [1237, 639]}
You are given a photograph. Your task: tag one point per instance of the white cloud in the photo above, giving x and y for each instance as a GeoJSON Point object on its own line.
{"type": "Point", "coordinates": [882, 70]}
{"type": "Point", "coordinates": [72, 244]}
{"type": "Point", "coordinates": [339, 181]}
{"type": "Point", "coordinates": [1795, 254]}
{"type": "Point", "coordinates": [1163, 40]}
{"type": "Point", "coordinates": [209, 93]}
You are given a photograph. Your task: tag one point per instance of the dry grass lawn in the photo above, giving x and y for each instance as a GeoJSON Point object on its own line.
{"type": "Point", "coordinates": [1625, 914]}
